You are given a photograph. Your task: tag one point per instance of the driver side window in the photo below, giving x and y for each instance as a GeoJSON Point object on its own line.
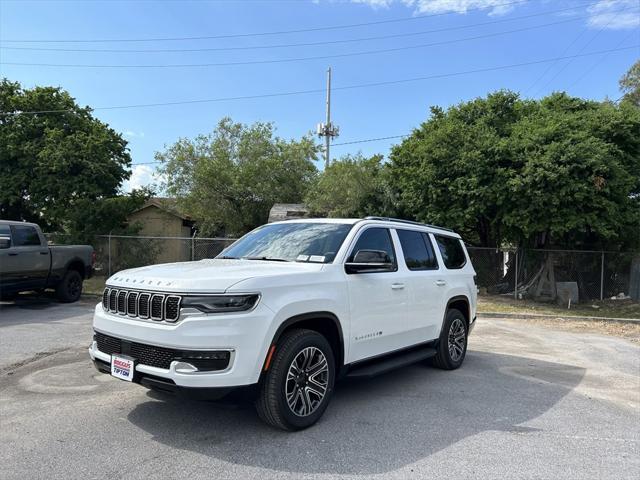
{"type": "Point", "coordinates": [375, 239]}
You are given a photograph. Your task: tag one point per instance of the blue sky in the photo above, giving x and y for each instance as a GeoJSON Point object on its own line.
{"type": "Point", "coordinates": [472, 35]}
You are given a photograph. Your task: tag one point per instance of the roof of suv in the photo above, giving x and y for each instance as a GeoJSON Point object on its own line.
{"type": "Point", "coordinates": [16, 222]}
{"type": "Point", "coordinates": [371, 219]}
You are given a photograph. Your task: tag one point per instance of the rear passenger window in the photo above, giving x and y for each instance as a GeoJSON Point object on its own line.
{"type": "Point", "coordinates": [451, 251]}
{"type": "Point", "coordinates": [417, 249]}
{"type": "Point", "coordinates": [25, 236]}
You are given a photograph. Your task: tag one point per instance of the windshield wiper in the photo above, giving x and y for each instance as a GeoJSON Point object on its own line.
{"type": "Point", "coordinates": [269, 259]}
{"type": "Point", "coordinates": [226, 257]}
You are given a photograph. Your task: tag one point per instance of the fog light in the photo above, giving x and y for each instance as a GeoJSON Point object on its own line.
{"type": "Point", "coordinates": [184, 367]}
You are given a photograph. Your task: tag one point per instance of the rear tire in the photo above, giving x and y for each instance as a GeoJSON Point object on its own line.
{"type": "Point", "coordinates": [70, 287]}
{"type": "Point", "coordinates": [297, 388]}
{"type": "Point", "coordinates": [452, 346]}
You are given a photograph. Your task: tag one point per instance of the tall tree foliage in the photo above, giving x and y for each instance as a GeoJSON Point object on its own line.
{"type": "Point", "coordinates": [229, 179]}
{"type": "Point", "coordinates": [630, 85]}
{"type": "Point", "coordinates": [561, 171]}
{"type": "Point", "coordinates": [352, 186]}
{"type": "Point", "coordinates": [53, 163]}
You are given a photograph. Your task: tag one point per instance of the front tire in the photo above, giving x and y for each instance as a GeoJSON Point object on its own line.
{"type": "Point", "coordinates": [452, 346]}
{"type": "Point", "coordinates": [70, 287]}
{"type": "Point", "coordinates": [298, 385]}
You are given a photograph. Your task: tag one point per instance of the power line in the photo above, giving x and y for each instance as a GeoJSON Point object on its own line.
{"type": "Point", "coordinates": [346, 87]}
{"type": "Point", "coordinates": [582, 49]}
{"type": "Point", "coordinates": [259, 34]}
{"type": "Point", "coordinates": [367, 140]}
{"type": "Point", "coordinates": [295, 59]}
{"type": "Point", "coordinates": [289, 45]}
{"type": "Point", "coordinates": [598, 62]}
{"type": "Point", "coordinates": [370, 140]}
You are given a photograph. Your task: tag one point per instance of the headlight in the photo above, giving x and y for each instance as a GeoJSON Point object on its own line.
{"type": "Point", "coordinates": [221, 303]}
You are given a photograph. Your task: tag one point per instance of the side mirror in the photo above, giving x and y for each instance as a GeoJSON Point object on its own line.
{"type": "Point", "coordinates": [5, 242]}
{"type": "Point", "coordinates": [370, 261]}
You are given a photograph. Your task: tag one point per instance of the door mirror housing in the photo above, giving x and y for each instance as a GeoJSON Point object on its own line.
{"type": "Point", "coordinates": [5, 242]}
{"type": "Point", "coordinates": [370, 261]}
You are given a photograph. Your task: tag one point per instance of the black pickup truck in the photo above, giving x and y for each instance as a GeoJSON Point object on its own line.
{"type": "Point", "coordinates": [28, 263]}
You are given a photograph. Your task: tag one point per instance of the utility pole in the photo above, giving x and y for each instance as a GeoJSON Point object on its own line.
{"type": "Point", "coordinates": [328, 130]}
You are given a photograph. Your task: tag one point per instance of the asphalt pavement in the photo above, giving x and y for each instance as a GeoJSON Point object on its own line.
{"type": "Point", "coordinates": [530, 402]}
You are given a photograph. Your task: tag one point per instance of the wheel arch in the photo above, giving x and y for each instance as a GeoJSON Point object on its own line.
{"type": "Point", "coordinates": [75, 264]}
{"type": "Point", "coordinates": [459, 302]}
{"type": "Point", "coordinates": [325, 323]}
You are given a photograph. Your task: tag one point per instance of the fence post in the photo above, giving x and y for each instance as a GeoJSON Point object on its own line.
{"type": "Point", "coordinates": [109, 256]}
{"type": "Point", "coordinates": [515, 283]}
{"type": "Point", "coordinates": [602, 277]}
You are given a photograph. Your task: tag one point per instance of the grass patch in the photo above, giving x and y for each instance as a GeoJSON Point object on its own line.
{"type": "Point", "coordinates": [94, 285]}
{"type": "Point", "coordinates": [605, 308]}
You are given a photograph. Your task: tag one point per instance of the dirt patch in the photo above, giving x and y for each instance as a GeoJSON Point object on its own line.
{"type": "Point", "coordinates": [628, 331]}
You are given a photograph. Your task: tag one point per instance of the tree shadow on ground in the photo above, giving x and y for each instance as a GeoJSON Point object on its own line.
{"type": "Point", "coordinates": [376, 425]}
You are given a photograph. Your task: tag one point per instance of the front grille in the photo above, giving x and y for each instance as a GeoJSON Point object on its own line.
{"type": "Point", "coordinates": [156, 306]}
{"type": "Point", "coordinates": [162, 357]}
{"type": "Point", "coordinates": [172, 307]}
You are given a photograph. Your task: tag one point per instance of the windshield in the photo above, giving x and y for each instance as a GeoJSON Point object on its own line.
{"type": "Point", "coordinates": [292, 242]}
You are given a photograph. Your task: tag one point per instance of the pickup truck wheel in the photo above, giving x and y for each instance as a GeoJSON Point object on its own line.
{"type": "Point", "coordinates": [298, 385]}
{"type": "Point", "coordinates": [452, 346]}
{"type": "Point", "coordinates": [70, 288]}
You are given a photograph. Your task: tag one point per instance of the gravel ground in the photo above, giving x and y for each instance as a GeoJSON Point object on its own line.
{"type": "Point", "coordinates": [531, 401]}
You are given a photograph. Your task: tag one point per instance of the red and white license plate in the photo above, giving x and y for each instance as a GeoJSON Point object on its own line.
{"type": "Point", "coordinates": [123, 367]}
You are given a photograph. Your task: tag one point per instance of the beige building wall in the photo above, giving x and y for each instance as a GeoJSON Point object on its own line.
{"type": "Point", "coordinates": [160, 223]}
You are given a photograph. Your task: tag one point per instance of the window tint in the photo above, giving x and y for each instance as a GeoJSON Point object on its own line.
{"type": "Point", "coordinates": [24, 236]}
{"type": "Point", "coordinates": [374, 239]}
{"type": "Point", "coordinates": [417, 249]}
{"type": "Point", "coordinates": [5, 231]}
{"type": "Point", "coordinates": [452, 252]}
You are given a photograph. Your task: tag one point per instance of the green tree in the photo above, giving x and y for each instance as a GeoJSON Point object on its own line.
{"type": "Point", "coordinates": [229, 179]}
{"type": "Point", "coordinates": [575, 177]}
{"type": "Point", "coordinates": [55, 161]}
{"type": "Point", "coordinates": [630, 85]}
{"type": "Point", "coordinates": [453, 170]}
{"type": "Point", "coordinates": [558, 172]}
{"type": "Point", "coordinates": [352, 186]}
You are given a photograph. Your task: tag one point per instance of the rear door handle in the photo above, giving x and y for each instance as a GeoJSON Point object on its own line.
{"type": "Point", "coordinates": [440, 283]}
{"type": "Point", "coordinates": [397, 286]}
{"type": "Point", "coordinates": [13, 254]}
{"type": "Point", "coordinates": [44, 253]}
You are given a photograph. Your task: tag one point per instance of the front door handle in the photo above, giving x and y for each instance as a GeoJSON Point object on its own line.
{"type": "Point", "coordinates": [13, 254]}
{"type": "Point", "coordinates": [397, 286]}
{"type": "Point", "coordinates": [44, 253]}
{"type": "Point", "coordinates": [440, 283]}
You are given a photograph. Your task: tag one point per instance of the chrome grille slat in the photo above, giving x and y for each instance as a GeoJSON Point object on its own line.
{"type": "Point", "coordinates": [132, 304]}
{"type": "Point", "coordinates": [113, 293]}
{"type": "Point", "coordinates": [157, 301]}
{"type": "Point", "coordinates": [122, 302]}
{"type": "Point", "coordinates": [143, 305]}
{"type": "Point", "coordinates": [140, 304]}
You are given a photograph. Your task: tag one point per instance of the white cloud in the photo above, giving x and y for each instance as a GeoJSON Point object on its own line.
{"type": "Point", "coordinates": [131, 133]}
{"type": "Point", "coordinates": [141, 176]}
{"type": "Point", "coordinates": [606, 14]}
{"type": "Point", "coordinates": [603, 14]}
{"type": "Point", "coordinates": [497, 7]}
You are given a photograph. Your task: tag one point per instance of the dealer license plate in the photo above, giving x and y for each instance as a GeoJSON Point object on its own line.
{"type": "Point", "coordinates": [123, 367]}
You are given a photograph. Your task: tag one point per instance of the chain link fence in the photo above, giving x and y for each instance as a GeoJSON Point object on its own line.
{"type": "Point", "coordinates": [529, 273]}
{"type": "Point", "coordinates": [590, 275]}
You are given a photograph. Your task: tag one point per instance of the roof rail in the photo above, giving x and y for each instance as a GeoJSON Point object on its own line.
{"type": "Point", "coordinates": [410, 222]}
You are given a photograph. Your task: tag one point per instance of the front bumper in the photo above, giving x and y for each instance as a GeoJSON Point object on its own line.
{"type": "Point", "coordinates": [165, 385]}
{"type": "Point", "coordinates": [244, 334]}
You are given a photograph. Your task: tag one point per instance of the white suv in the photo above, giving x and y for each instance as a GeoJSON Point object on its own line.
{"type": "Point", "coordinates": [287, 310]}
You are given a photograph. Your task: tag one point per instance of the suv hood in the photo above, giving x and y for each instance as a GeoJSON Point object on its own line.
{"type": "Point", "coordinates": [204, 276]}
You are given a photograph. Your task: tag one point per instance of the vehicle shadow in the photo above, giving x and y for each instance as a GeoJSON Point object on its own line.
{"type": "Point", "coordinates": [372, 426]}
